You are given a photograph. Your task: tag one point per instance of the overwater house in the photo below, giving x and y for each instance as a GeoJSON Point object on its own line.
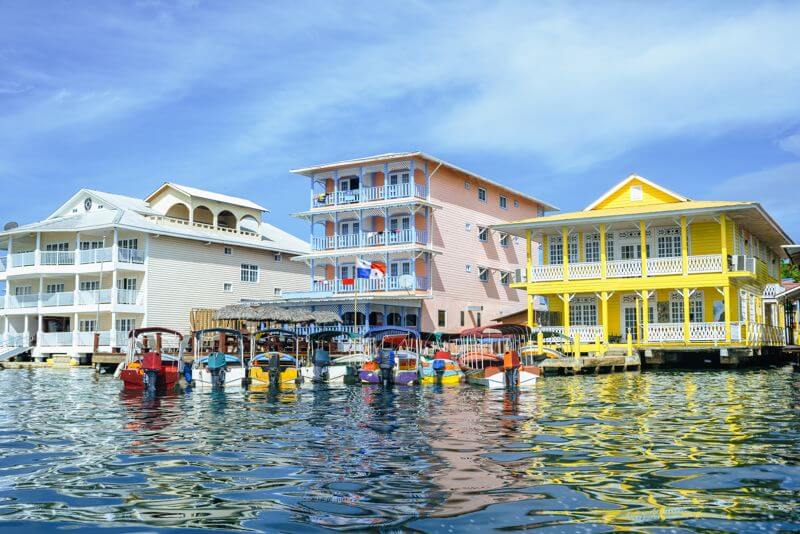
{"type": "Point", "coordinates": [102, 264]}
{"type": "Point", "coordinates": [427, 223]}
{"type": "Point", "coordinates": [674, 274]}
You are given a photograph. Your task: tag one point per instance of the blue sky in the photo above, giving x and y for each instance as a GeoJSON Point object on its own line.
{"type": "Point", "coordinates": [560, 100]}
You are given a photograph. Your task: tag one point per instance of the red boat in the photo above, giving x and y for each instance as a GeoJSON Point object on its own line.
{"type": "Point", "coordinates": [151, 370]}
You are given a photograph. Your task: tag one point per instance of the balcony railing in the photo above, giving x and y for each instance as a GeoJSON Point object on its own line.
{"type": "Point", "coordinates": [129, 297]}
{"type": "Point", "coordinates": [95, 255]}
{"type": "Point", "coordinates": [84, 298]}
{"type": "Point", "coordinates": [698, 332]}
{"type": "Point", "coordinates": [55, 339]}
{"type": "Point", "coordinates": [61, 257]}
{"type": "Point", "coordinates": [16, 302]}
{"type": "Point", "coordinates": [365, 285]}
{"type": "Point", "coordinates": [586, 333]}
{"type": "Point", "coordinates": [624, 268]}
{"type": "Point", "coordinates": [14, 340]}
{"type": "Point", "coordinates": [22, 259]}
{"type": "Point", "coordinates": [99, 296]}
{"type": "Point", "coordinates": [370, 239]}
{"type": "Point", "coordinates": [670, 265]}
{"type": "Point", "coordinates": [578, 271]}
{"type": "Point", "coordinates": [130, 255]}
{"type": "Point", "coordinates": [709, 263]}
{"type": "Point", "coordinates": [544, 273]}
{"type": "Point", "coordinates": [369, 194]}
{"type": "Point", "coordinates": [3, 263]}
{"type": "Point", "coordinates": [65, 298]}
{"type": "Point", "coordinates": [68, 257]}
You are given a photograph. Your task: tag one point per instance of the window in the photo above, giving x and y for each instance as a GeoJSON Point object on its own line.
{"type": "Point", "coordinates": [477, 318]}
{"type": "Point", "coordinates": [468, 227]}
{"type": "Point", "coordinates": [88, 325]}
{"type": "Point", "coordinates": [55, 288]}
{"type": "Point", "coordinates": [483, 233]}
{"type": "Point", "coordinates": [467, 185]}
{"type": "Point", "coordinates": [57, 247]}
{"type": "Point", "coordinates": [591, 248]}
{"type": "Point", "coordinates": [89, 285]}
{"type": "Point", "coordinates": [668, 243]}
{"type": "Point", "coordinates": [636, 193]}
{"type": "Point", "coordinates": [505, 278]}
{"type": "Point", "coordinates": [630, 252]}
{"type": "Point", "coordinates": [463, 318]}
{"type": "Point", "coordinates": [696, 308]}
{"type": "Point", "coordinates": [125, 325]}
{"type": "Point", "coordinates": [278, 256]}
{"type": "Point", "coordinates": [609, 247]}
{"type": "Point", "coordinates": [503, 202]}
{"type": "Point", "coordinates": [23, 290]}
{"type": "Point", "coordinates": [249, 273]}
{"type": "Point", "coordinates": [401, 177]}
{"type": "Point", "coordinates": [482, 194]}
{"type": "Point", "coordinates": [442, 318]}
{"type": "Point", "coordinates": [583, 312]}
{"type": "Point", "coordinates": [503, 240]}
{"type": "Point", "coordinates": [128, 284]}
{"type": "Point", "coordinates": [277, 291]}
{"type": "Point", "coordinates": [128, 243]}
{"type": "Point", "coordinates": [483, 274]}
{"type": "Point", "coordinates": [572, 248]}
{"type": "Point", "coordinates": [227, 287]}
{"type": "Point", "coordinates": [468, 268]}
{"type": "Point", "coordinates": [91, 245]}
{"type": "Point", "coordinates": [556, 251]}
{"type": "Point", "coordinates": [228, 251]}
{"type": "Point", "coordinates": [516, 203]}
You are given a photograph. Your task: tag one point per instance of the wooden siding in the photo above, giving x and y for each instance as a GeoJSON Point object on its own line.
{"type": "Point", "coordinates": [184, 274]}
{"type": "Point", "coordinates": [622, 197]}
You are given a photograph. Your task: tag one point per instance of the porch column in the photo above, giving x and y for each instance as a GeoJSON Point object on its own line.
{"type": "Point", "coordinates": [723, 236]}
{"type": "Point", "coordinates": [112, 334]}
{"type": "Point", "coordinates": [530, 309]}
{"type": "Point", "coordinates": [39, 330]}
{"type": "Point", "coordinates": [686, 315]}
{"type": "Point", "coordinates": [10, 243]}
{"type": "Point", "coordinates": [37, 255]}
{"type": "Point", "coordinates": [26, 330]}
{"type": "Point", "coordinates": [645, 315]}
{"type": "Point", "coordinates": [114, 291]}
{"type": "Point", "coordinates": [603, 258]}
{"type": "Point", "coordinates": [77, 248]}
{"type": "Point", "coordinates": [76, 292]}
{"type": "Point", "coordinates": [684, 247]}
{"type": "Point", "coordinates": [565, 251]}
{"type": "Point", "coordinates": [6, 325]}
{"type": "Point", "coordinates": [75, 330]}
{"type": "Point", "coordinates": [565, 300]}
{"type": "Point", "coordinates": [191, 212]}
{"type": "Point", "coordinates": [726, 299]}
{"type": "Point", "coordinates": [643, 243]}
{"type": "Point", "coordinates": [604, 314]}
{"type": "Point", "coordinates": [115, 248]}
{"type": "Point", "coordinates": [336, 230]}
{"type": "Point", "coordinates": [529, 257]}
{"type": "Point", "coordinates": [312, 274]}
{"type": "Point", "coordinates": [546, 259]}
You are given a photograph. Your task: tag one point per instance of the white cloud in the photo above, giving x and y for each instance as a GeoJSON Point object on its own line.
{"type": "Point", "coordinates": [791, 144]}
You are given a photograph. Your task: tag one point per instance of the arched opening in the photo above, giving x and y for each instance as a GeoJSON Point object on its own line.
{"type": "Point", "coordinates": [248, 224]}
{"type": "Point", "coordinates": [376, 319]}
{"type": "Point", "coordinates": [411, 319]}
{"type": "Point", "coordinates": [203, 215]}
{"type": "Point", "coordinates": [394, 319]}
{"type": "Point", "coordinates": [348, 319]}
{"type": "Point", "coordinates": [179, 211]}
{"type": "Point", "coordinates": [226, 219]}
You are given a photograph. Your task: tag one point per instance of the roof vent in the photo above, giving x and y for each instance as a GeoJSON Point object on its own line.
{"type": "Point", "coordinates": [10, 226]}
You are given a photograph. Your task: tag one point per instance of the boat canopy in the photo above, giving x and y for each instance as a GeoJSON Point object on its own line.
{"type": "Point", "coordinates": [496, 330]}
{"type": "Point", "coordinates": [136, 332]}
{"type": "Point", "coordinates": [382, 331]}
{"type": "Point", "coordinates": [275, 332]}
{"type": "Point", "coordinates": [229, 358]}
{"type": "Point", "coordinates": [282, 356]}
{"type": "Point", "coordinates": [228, 331]}
{"type": "Point", "coordinates": [327, 335]}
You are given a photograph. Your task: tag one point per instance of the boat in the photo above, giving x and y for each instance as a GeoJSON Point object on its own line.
{"type": "Point", "coordinates": [397, 339]}
{"type": "Point", "coordinates": [219, 369]}
{"type": "Point", "coordinates": [441, 369]}
{"type": "Point", "coordinates": [325, 369]}
{"type": "Point", "coordinates": [484, 367]}
{"type": "Point", "coordinates": [275, 367]}
{"type": "Point", "coordinates": [151, 369]}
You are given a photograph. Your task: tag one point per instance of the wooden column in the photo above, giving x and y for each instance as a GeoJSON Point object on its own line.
{"type": "Point", "coordinates": [684, 247]}
{"type": "Point", "coordinates": [726, 298]}
{"type": "Point", "coordinates": [603, 258]}
{"type": "Point", "coordinates": [723, 236]}
{"type": "Point", "coordinates": [565, 300]}
{"type": "Point", "coordinates": [604, 307]}
{"type": "Point", "coordinates": [565, 251]}
{"type": "Point", "coordinates": [686, 315]}
{"type": "Point", "coordinates": [530, 309]}
{"type": "Point", "coordinates": [645, 315]}
{"type": "Point", "coordinates": [529, 257]}
{"type": "Point", "coordinates": [643, 244]}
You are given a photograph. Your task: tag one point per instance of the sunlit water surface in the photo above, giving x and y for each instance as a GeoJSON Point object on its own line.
{"type": "Point", "coordinates": [709, 451]}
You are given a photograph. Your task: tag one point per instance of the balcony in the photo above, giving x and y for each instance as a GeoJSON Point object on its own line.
{"type": "Point", "coordinates": [369, 239]}
{"type": "Point", "coordinates": [71, 257]}
{"type": "Point", "coordinates": [368, 194]}
{"type": "Point", "coordinates": [365, 285]}
{"type": "Point", "coordinates": [673, 265]}
{"type": "Point", "coordinates": [71, 298]}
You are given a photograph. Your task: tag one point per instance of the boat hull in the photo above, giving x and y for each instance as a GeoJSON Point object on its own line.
{"type": "Point", "coordinates": [287, 378]}
{"type": "Point", "coordinates": [400, 377]}
{"type": "Point", "coordinates": [201, 378]}
{"type": "Point", "coordinates": [495, 378]}
{"type": "Point", "coordinates": [336, 374]}
{"type": "Point", "coordinates": [133, 378]}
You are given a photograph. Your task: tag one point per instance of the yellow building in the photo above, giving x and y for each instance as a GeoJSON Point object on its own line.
{"type": "Point", "coordinates": [650, 266]}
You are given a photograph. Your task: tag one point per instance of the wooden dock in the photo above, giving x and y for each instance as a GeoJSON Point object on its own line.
{"type": "Point", "coordinates": [608, 363]}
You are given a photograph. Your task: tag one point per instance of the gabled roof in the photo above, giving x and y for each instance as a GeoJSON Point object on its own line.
{"type": "Point", "coordinates": [392, 156]}
{"type": "Point", "coordinates": [626, 181]}
{"type": "Point", "coordinates": [208, 195]}
{"type": "Point", "coordinates": [109, 199]}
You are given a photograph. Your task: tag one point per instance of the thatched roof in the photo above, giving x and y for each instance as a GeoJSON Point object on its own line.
{"type": "Point", "coordinates": [275, 314]}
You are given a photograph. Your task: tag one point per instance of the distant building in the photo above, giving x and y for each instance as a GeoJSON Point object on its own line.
{"type": "Point", "coordinates": [429, 223]}
{"type": "Point", "coordinates": [103, 264]}
{"type": "Point", "coordinates": [673, 273]}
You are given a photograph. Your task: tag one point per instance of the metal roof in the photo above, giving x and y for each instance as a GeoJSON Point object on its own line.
{"type": "Point", "coordinates": [208, 195]}
{"type": "Point", "coordinates": [309, 171]}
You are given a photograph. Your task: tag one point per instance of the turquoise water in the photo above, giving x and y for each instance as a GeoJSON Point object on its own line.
{"type": "Point", "coordinates": [707, 451]}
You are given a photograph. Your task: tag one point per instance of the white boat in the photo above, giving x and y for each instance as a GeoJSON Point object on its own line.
{"type": "Point", "coordinates": [332, 370]}
{"type": "Point", "coordinates": [219, 370]}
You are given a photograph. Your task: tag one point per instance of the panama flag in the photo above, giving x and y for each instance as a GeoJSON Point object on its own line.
{"type": "Point", "coordinates": [365, 269]}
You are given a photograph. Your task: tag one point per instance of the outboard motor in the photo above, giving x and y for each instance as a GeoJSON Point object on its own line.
{"type": "Point", "coordinates": [218, 367]}
{"type": "Point", "coordinates": [351, 375]}
{"type": "Point", "coordinates": [322, 360]}
{"type": "Point", "coordinates": [438, 370]}
{"type": "Point", "coordinates": [151, 366]}
{"type": "Point", "coordinates": [511, 364]}
{"type": "Point", "coordinates": [386, 364]}
{"type": "Point", "coordinates": [274, 370]}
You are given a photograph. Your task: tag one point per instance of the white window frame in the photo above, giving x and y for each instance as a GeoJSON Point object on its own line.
{"type": "Point", "coordinates": [483, 234]}
{"type": "Point", "coordinates": [278, 257]}
{"type": "Point", "coordinates": [481, 194]}
{"type": "Point", "coordinates": [227, 251]}
{"type": "Point", "coordinates": [503, 200]}
{"type": "Point", "coordinates": [249, 273]}
{"type": "Point", "coordinates": [89, 285]}
{"type": "Point", "coordinates": [277, 291]}
{"type": "Point", "coordinates": [441, 318]}
{"type": "Point", "coordinates": [504, 240]}
{"type": "Point", "coordinates": [227, 287]}
{"type": "Point", "coordinates": [84, 324]}
{"type": "Point", "coordinates": [483, 274]}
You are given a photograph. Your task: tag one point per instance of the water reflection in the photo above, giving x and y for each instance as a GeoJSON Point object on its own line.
{"type": "Point", "coordinates": [690, 451]}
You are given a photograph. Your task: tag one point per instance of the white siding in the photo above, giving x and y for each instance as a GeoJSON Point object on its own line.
{"type": "Point", "coordinates": [184, 274]}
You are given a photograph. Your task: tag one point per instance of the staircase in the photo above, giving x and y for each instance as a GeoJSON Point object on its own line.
{"type": "Point", "coordinates": [13, 345]}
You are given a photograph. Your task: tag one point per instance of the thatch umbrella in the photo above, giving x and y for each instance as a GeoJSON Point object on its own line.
{"type": "Point", "coordinates": [326, 317]}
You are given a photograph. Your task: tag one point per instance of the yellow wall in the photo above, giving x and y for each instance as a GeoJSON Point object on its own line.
{"type": "Point", "coordinates": [622, 197]}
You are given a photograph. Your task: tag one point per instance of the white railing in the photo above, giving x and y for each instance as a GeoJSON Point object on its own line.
{"type": "Point", "coordinates": [707, 331]}
{"type": "Point", "coordinates": [772, 290]}
{"type": "Point", "coordinates": [205, 226]}
{"type": "Point", "coordinates": [368, 194]}
{"type": "Point", "coordinates": [95, 255]}
{"type": "Point", "coordinates": [129, 296]}
{"type": "Point", "coordinates": [388, 283]}
{"type": "Point", "coordinates": [22, 259]}
{"type": "Point", "coordinates": [57, 257]}
{"type": "Point", "coordinates": [762, 334]}
{"type": "Point", "coordinates": [86, 339]}
{"type": "Point", "coordinates": [16, 302]}
{"type": "Point", "coordinates": [3, 263]}
{"type": "Point", "coordinates": [664, 332]}
{"type": "Point", "coordinates": [130, 255]}
{"type": "Point", "coordinates": [121, 340]}
{"type": "Point", "coordinates": [541, 273]}
{"type": "Point", "coordinates": [659, 266]}
{"type": "Point", "coordinates": [65, 298]}
{"type": "Point", "coordinates": [585, 333]}
{"type": "Point", "coordinates": [350, 329]}
{"type": "Point", "coordinates": [14, 341]}
{"type": "Point", "coordinates": [99, 296]}
{"type": "Point", "coordinates": [55, 339]}
{"type": "Point", "coordinates": [709, 263]}
{"type": "Point", "coordinates": [578, 271]}
{"type": "Point", "coordinates": [369, 239]}
{"type": "Point", "coordinates": [624, 268]}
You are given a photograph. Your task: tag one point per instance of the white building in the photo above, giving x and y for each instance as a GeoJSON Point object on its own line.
{"type": "Point", "coordinates": [102, 264]}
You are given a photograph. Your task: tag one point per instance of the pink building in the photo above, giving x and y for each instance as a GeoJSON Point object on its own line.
{"type": "Point", "coordinates": [428, 222]}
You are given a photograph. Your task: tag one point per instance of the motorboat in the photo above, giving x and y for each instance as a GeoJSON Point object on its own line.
{"type": "Point", "coordinates": [275, 367]}
{"type": "Point", "coordinates": [219, 369]}
{"type": "Point", "coordinates": [147, 367]}
{"type": "Point", "coordinates": [400, 341]}
{"type": "Point", "coordinates": [441, 369]}
{"type": "Point", "coordinates": [324, 367]}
